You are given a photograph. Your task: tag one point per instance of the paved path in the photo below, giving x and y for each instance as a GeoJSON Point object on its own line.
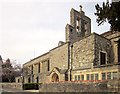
{"type": "Point", "coordinates": [12, 90]}
{"type": "Point", "coordinates": [18, 91]}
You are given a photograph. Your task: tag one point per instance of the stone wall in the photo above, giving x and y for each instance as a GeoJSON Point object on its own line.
{"type": "Point", "coordinates": [81, 87]}
{"type": "Point", "coordinates": [43, 77]}
{"type": "Point", "coordinates": [59, 57]}
{"type": "Point", "coordinates": [102, 45]}
{"type": "Point", "coordinates": [114, 85]}
{"type": "Point", "coordinates": [83, 53]}
{"type": "Point", "coordinates": [86, 52]}
{"type": "Point", "coordinates": [11, 85]}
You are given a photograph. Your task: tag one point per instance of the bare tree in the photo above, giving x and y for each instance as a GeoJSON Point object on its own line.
{"type": "Point", "coordinates": [26, 71]}
{"type": "Point", "coordinates": [9, 72]}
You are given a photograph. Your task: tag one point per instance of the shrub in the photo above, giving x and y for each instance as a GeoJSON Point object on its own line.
{"type": "Point", "coordinates": [31, 86]}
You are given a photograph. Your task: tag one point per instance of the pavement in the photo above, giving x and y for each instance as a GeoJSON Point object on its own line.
{"type": "Point", "coordinates": [17, 91]}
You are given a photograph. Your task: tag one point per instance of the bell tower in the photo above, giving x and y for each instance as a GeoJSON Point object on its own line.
{"type": "Point", "coordinates": [79, 27]}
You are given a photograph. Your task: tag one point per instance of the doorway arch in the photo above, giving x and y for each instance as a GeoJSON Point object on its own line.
{"type": "Point", "coordinates": [55, 78]}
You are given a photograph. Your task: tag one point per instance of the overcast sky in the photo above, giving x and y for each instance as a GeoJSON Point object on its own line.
{"type": "Point", "coordinates": [29, 28]}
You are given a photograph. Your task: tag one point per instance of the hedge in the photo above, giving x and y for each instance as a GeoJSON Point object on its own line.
{"type": "Point", "coordinates": [31, 86]}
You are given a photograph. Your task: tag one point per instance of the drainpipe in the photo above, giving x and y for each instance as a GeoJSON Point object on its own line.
{"type": "Point", "coordinates": [70, 61]}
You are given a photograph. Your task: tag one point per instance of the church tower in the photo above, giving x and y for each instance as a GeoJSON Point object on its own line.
{"type": "Point", "coordinates": [79, 27]}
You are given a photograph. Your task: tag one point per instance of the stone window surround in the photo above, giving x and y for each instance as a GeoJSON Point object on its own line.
{"type": "Point", "coordinates": [96, 76]}
{"type": "Point", "coordinates": [87, 76]}
{"type": "Point", "coordinates": [105, 57]}
{"type": "Point", "coordinates": [75, 78]}
{"type": "Point", "coordinates": [112, 75]}
{"type": "Point", "coordinates": [92, 77]}
{"type": "Point", "coordinates": [82, 77]}
{"type": "Point", "coordinates": [109, 75]}
{"type": "Point", "coordinates": [103, 76]}
{"type": "Point", "coordinates": [78, 77]}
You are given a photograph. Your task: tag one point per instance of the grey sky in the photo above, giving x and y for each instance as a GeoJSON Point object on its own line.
{"type": "Point", "coordinates": [30, 28]}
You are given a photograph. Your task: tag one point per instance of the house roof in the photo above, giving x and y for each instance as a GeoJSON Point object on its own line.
{"type": "Point", "coordinates": [108, 33]}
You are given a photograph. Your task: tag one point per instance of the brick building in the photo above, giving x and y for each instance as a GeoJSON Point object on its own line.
{"type": "Point", "coordinates": [83, 56]}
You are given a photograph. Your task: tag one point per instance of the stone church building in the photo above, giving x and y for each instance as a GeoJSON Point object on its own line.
{"type": "Point", "coordinates": [84, 56]}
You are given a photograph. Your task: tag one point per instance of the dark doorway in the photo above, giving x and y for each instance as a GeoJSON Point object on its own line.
{"type": "Point", "coordinates": [55, 78]}
{"type": "Point", "coordinates": [37, 79]}
{"type": "Point", "coordinates": [119, 51]}
{"type": "Point", "coordinates": [66, 76]}
{"type": "Point", "coordinates": [29, 80]}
